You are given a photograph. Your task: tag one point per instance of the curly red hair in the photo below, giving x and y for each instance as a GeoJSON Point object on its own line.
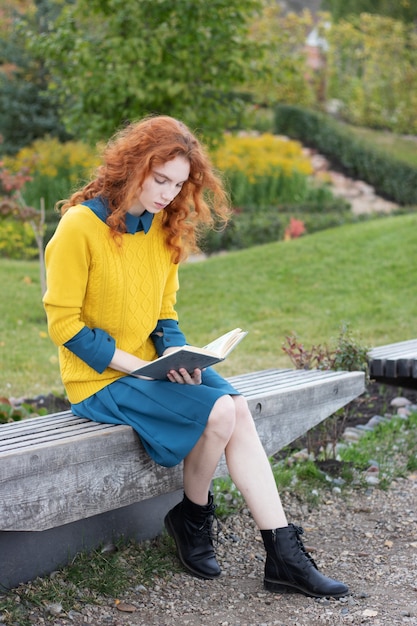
{"type": "Point", "coordinates": [129, 158]}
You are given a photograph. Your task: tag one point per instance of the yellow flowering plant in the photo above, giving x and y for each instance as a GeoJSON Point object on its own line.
{"type": "Point", "coordinates": [53, 169]}
{"type": "Point", "coordinates": [262, 155]}
{"type": "Point", "coordinates": [263, 169]}
{"type": "Point", "coordinates": [50, 158]}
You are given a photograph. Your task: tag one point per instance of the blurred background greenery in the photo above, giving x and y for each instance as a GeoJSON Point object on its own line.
{"type": "Point", "coordinates": [266, 85]}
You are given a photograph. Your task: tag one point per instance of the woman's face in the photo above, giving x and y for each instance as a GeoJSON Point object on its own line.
{"type": "Point", "coordinates": [161, 186]}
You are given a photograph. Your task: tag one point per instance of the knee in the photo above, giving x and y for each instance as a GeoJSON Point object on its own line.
{"type": "Point", "coordinates": [241, 407]}
{"type": "Point", "coordinates": [244, 417]}
{"type": "Point", "coordinates": [222, 419]}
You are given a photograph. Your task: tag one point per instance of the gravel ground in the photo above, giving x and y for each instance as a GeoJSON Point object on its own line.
{"type": "Point", "coordinates": [368, 539]}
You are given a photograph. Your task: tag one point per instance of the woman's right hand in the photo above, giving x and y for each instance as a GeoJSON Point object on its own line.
{"type": "Point", "coordinates": [182, 377]}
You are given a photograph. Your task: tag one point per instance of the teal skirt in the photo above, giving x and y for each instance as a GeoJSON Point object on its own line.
{"type": "Point", "coordinates": [169, 418]}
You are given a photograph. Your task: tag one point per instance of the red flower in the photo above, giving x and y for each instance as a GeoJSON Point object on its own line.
{"type": "Point", "coordinates": [295, 229]}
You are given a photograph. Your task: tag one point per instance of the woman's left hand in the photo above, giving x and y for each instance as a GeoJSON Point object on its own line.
{"type": "Point", "coordinates": [183, 377]}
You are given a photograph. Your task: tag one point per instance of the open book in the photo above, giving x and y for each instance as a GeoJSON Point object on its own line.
{"type": "Point", "coordinates": [191, 357]}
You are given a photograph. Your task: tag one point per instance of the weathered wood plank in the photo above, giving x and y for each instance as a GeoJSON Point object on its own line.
{"type": "Point", "coordinates": [58, 469]}
{"type": "Point", "coordinates": [399, 347]}
{"type": "Point", "coordinates": [38, 437]}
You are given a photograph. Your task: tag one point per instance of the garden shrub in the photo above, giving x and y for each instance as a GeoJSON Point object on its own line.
{"type": "Point", "coordinates": [270, 182]}
{"type": "Point", "coordinates": [269, 178]}
{"type": "Point", "coordinates": [263, 169]}
{"type": "Point", "coordinates": [267, 189]}
{"type": "Point", "coordinates": [17, 240]}
{"type": "Point", "coordinates": [258, 155]}
{"type": "Point", "coordinates": [390, 177]}
{"type": "Point", "coordinates": [254, 225]}
{"type": "Point", "coordinates": [347, 354]}
{"type": "Point", "coordinates": [56, 169]}
{"type": "Point", "coordinates": [245, 229]}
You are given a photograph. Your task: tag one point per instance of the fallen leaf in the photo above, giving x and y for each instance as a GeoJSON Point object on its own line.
{"type": "Point", "coordinates": [125, 607]}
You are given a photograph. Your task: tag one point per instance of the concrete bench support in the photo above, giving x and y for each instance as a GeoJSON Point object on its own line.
{"type": "Point", "coordinates": [68, 481]}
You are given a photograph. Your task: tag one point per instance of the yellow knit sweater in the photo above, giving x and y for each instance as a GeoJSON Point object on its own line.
{"type": "Point", "coordinates": [121, 287]}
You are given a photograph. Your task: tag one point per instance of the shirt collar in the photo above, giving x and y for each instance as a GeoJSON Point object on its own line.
{"type": "Point", "coordinates": [134, 223]}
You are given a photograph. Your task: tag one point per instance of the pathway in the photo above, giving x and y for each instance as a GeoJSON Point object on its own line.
{"type": "Point", "coordinates": [360, 195]}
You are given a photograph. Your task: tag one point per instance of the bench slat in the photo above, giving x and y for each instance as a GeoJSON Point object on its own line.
{"type": "Point", "coordinates": [399, 347]}
{"type": "Point", "coordinates": [65, 468]}
{"type": "Point", "coordinates": [396, 352]}
{"type": "Point", "coordinates": [43, 422]}
{"type": "Point", "coordinates": [40, 438]}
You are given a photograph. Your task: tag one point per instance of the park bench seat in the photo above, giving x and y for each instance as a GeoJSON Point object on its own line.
{"type": "Point", "coordinates": [61, 475]}
{"type": "Point", "coordinates": [395, 363]}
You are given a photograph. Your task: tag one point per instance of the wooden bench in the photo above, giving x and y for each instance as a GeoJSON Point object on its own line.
{"type": "Point", "coordinates": [395, 364]}
{"type": "Point", "coordinates": [67, 483]}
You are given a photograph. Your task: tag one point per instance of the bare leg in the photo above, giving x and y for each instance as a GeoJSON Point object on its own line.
{"type": "Point", "coordinates": [230, 428]}
{"type": "Point", "coordinates": [251, 471]}
{"type": "Point", "coordinates": [200, 464]}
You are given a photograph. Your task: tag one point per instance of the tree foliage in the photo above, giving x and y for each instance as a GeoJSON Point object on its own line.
{"type": "Point", "coordinates": [283, 36]}
{"type": "Point", "coordinates": [27, 111]}
{"type": "Point", "coordinates": [405, 10]}
{"type": "Point", "coordinates": [115, 60]}
{"type": "Point", "coordinates": [372, 72]}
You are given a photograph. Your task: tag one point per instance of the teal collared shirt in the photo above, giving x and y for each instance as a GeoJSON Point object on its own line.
{"type": "Point", "coordinates": [134, 223]}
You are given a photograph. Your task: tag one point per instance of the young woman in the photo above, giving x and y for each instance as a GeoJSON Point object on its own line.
{"type": "Point", "coordinates": [112, 280]}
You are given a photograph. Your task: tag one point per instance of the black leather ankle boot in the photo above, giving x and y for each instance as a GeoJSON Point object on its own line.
{"type": "Point", "coordinates": [289, 568]}
{"type": "Point", "coordinates": [190, 525]}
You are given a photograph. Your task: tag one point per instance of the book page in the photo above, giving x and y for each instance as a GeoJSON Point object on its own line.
{"type": "Point", "coordinates": [222, 345]}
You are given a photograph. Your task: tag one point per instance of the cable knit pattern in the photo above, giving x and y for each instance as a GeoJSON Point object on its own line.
{"type": "Point", "coordinates": [121, 286]}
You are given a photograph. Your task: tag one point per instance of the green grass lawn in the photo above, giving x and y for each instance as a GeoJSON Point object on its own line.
{"type": "Point", "coordinates": [398, 146]}
{"type": "Point", "coordinates": [362, 274]}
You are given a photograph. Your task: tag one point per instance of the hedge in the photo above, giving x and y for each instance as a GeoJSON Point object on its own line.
{"type": "Point", "coordinates": [254, 225]}
{"type": "Point", "coordinates": [390, 177]}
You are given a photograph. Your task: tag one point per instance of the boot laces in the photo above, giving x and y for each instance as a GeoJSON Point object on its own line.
{"type": "Point", "coordinates": [206, 528]}
{"type": "Point", "coordinates": [307, 556]}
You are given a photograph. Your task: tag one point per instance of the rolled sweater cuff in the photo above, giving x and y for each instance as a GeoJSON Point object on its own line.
{"type": "Point", "coordinates": [94, 346]}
